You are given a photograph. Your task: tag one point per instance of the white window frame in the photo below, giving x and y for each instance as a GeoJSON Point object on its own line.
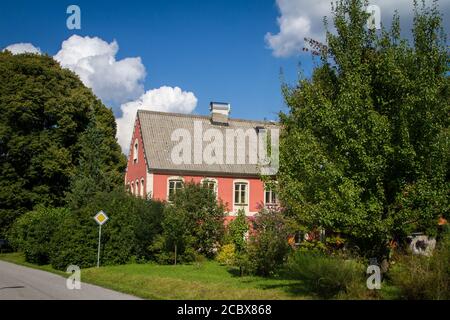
{"type": "Point", "coordinates": [245, 206]}
{"type": "Point", "coordinates": [168, 185]}
{"type": "Point", "coordinates": [136, 185]}
{"type": "Point", "coordinates": [272, 192]}
{"type": "Point", "coordinates": [216, 183]}
{"type": "Point", "coordinates": [132, 187]}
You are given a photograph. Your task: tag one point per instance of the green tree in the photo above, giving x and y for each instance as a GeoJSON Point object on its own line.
{"type": "Point", "coordinates": [44, 111]}
{"type": "Point", "coordinates": [365, 146]}
{"type": "Point", "coordinates": [194, 222]}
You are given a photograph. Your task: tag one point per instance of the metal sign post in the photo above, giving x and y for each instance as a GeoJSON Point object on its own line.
{"type": "Point", "coordinates": [100, 218]}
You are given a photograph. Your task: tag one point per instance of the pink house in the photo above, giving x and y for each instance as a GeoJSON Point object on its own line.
{"type": "Point", "coordinates": [169, 149]}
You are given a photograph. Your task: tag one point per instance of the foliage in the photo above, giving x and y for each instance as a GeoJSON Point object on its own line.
{"type": "Point", "coordinates": [237, 230]}
{"type": "Point", "coordinates": [44, 111]}
{"type": "Point", "coordinates": [365, 146]}
{"type": "Point", "coordinates": [421, 277]}
{"type": "Point", "coordinates": [268, 244]}
{"type": "Point", "coordinates": [227, 255]}
{"type": "Point", "coordinates": [193, 223]}
{"type": "Point", "coordinates": [327, 276]}
{"type": "Point", "coordinates": [133, 225]}
{"type": "Point", "coordinates": [32, 232]}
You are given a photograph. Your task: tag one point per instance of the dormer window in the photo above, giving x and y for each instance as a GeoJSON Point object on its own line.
{"type": "Point", "coordinates": [135, 151]}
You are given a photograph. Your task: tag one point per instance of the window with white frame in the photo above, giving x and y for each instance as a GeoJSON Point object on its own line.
{"type": "Point", "coordinates": [175, 184]}
{"type": "Point", "coordinates": [132, 188]}
{"type": "Point", "coordinates": [210, 184]}
{"type": "Point", "coordinates": [270, 196]}
{"type": "Point", "coordinates": [241, 193]}
{"type": "Point", "coordinates": [135, 151]}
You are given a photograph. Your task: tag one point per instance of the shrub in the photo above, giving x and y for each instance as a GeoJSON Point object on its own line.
{"type": "Point", "coordinates": [268, 245]}
{"type": "Point", "coordinates": [226, 255]}
{"type": "Point", "coordinates": [133, 224]}
{"type": "Point", "coordinates": [421, 277]}
{"type": "Point", "coordinates": [193, 223]}
{"type": "Point", "coordinates": [326, 276]}
{"type": "Point", "coordinates": [237, 230]}
{"type": "Point", "coordinates": [33, 231]}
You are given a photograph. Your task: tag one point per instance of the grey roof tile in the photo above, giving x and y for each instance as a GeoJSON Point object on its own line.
{"type": "Point", "coordinates": [157, 128]}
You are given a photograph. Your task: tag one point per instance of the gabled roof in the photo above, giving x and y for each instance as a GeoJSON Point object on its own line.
{"type": "Point", "coordinates": [157, 129]}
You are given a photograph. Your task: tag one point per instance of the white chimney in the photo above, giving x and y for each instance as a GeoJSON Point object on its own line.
{"type": "Point", "coordinates": [219, 112]}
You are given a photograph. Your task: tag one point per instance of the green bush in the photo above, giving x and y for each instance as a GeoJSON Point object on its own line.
{"type": "Point", "coordinates": [420, 277]}
{"type": "Point", "coordinates": [268, 245]}
{"type": "Point", "coordinates": [193, 223]}
{"type": "Point", "coordinates": [226, 255]}
{"type": "Point", "coordinates": [133, 225]}
{"type": "Point", "coordinates": [32, 232]}
{"type": "Point", "coordinates": [326, 276]}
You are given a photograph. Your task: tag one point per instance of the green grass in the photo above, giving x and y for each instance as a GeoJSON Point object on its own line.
{"type": "Point", "coordinates": [207, 280]}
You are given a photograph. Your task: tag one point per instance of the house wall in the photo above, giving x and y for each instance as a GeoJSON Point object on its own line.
{"type": "Point", "coordinates": [138, 170]}
{"type": "Point", "coordinates": [225, 189]}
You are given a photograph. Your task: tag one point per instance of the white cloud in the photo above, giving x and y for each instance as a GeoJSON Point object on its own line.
{"type": "Point", "coordinates": [165, 99]}
{"type": "Point", "coordinates": [94, 60]}
{"type": "Point", "coordinates": [18, 48]}
{"type": "Point", "coordinates": [304, 18]}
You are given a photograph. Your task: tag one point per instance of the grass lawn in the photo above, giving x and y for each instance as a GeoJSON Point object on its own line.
{"type": "Point", "coordinates": [207, 280]}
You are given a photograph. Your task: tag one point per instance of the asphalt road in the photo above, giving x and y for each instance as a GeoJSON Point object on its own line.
{"type": "Point", "coordinates": [22, 283]}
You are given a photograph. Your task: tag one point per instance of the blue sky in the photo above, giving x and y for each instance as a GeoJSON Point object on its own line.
{"type": "Point", "coordinates": [177, 56]}
{"type": "Point", "coordinates": [215, 49]}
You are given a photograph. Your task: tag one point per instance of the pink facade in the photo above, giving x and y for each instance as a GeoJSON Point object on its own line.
{"type": "Point", "coordinates": [142, 181]}
{"type": "Point", "coordinates": [136, 175]}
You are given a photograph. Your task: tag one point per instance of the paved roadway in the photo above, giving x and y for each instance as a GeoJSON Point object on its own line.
{"type": "Point", "coordinates": [22, 283]}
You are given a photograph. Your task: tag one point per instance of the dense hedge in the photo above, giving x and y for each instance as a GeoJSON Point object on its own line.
{"type": "Point", "coordinates": [133, 223]}
{"type": "Point", "coordinates": [32, 233]}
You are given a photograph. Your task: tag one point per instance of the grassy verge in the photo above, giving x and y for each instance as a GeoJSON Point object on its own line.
{"type": "Point", "coordinates": [207, 280]}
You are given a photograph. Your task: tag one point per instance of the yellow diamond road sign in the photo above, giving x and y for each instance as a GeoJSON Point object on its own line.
{"type": "Point", "coordinates": [101, 217]}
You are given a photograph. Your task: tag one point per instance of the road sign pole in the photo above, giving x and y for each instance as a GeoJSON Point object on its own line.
{"type": "Point", "coordinates": [100, 218]}
{"type": "Point", "coordinates": [99, 238]}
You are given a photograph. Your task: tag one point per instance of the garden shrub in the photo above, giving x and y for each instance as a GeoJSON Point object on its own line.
{"type": "Point", "coordinates": [226, 255]}
{"type": "Point", "coordinates": [133, 224]}
{"type": "Point", "coordinates": [326, 276]}
{"type": "Point", "coordinates": [193, 222]}
{"type": "Point", "coordinates": [32, 232]}
{"type": "Point", "coordinates": [268, 245]}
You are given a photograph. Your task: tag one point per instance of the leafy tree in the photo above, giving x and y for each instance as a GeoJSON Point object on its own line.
{"type": "Point", "coordinates": [237, 234]}
{"type": "Point", "coordinates": [44, 111]}
{"type": "Point", "coordinates": [237, 231]}
{"type": "Point", "coordinates": [365, 146]}
{"type": "Point", "coordinates": [193, 221]}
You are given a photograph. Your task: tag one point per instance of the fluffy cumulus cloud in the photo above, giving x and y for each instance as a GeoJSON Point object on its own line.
{"type": "Point", "coordinates": [18, 48]}
{"type": "Point", "coordinates": [304, 18]}
{"type": "Point", "coordinates": [94, 60]}
{"type": "Point", "coordinates": [165, 99]}
{"type": "Point", "coordinates": [118, 83]}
